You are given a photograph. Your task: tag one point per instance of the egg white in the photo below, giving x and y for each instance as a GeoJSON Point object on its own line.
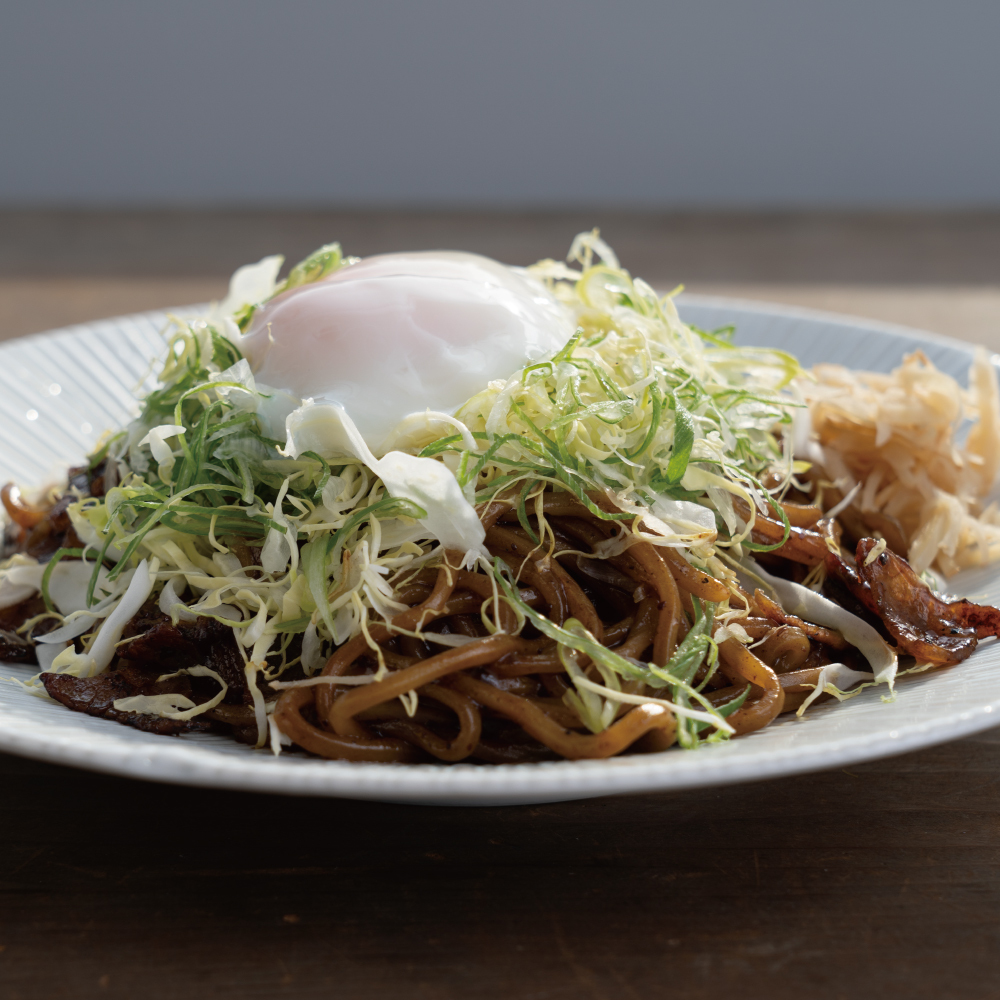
{"type": "Point", "coordinates": [398, 334]}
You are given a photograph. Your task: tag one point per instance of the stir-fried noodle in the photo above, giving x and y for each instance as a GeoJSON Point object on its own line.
{"type": "Point", "coordinates": [650, 536]}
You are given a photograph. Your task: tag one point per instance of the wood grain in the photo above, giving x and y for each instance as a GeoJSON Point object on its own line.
{"type": "Point", "coordinates": [971, 313]}
{"type": "Point", "coordinates": [883, 877]}
{"type": "Point", "coordinates": [835, 247]}
{"type": "Point", "coordinates": [31, 305]}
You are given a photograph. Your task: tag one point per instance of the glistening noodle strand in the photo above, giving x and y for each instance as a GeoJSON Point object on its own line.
{"type": "Point", "coordinates": [427, 508]}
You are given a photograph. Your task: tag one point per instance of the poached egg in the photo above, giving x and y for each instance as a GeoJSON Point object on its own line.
{"type": "Point", "coordinates": [401, 333]}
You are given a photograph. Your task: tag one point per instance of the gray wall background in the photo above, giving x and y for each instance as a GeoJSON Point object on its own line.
{"type": "Point", "coordinates": [633, 103]}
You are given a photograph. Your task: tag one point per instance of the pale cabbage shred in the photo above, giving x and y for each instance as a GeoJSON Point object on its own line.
{"type": "Point", "coordinates": [668, 422]}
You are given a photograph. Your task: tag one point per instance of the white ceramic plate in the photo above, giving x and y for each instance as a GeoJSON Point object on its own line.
{"type": "Point", "coordinates": [58, 390]}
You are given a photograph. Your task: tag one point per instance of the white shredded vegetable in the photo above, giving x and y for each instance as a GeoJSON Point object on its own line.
{"type": "Point", "coordinates": [812, 607]}
{"type": "Point", "coordinates": [174, 706]}
{"type": "Point", "coordinates": [229, 499]}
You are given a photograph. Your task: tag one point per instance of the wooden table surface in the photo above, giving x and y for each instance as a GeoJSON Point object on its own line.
{"type": "Point", "coordinates": [882, 879]}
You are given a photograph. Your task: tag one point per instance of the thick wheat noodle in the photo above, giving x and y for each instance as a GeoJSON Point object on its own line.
{"type": "Point", "coordinates": [527, 687]}
{"type": "Point", "coordinates": [794, 700]}
{"type": "Point", "coordinates": [800, 680]}
{"type": "Point", "coordinates": [722, 696]}
{"type": "Point", "coordinates": [593, 532]}
{"type": "Point", "coordinates": [482, 586]}
{"type": "Point", "coordinates": [582, 525]}
{"type": "Point", "coordinates": [540, 579]}
{"type": "Point", "coordinates": [641, 561]}
{"type": "Point", "coordinates": [775, 613]}
{"type": "Point", "coordinates": [500, 539]}
{"type": "Point", "coordinates": [540, 656]}
{"type": "Point", "coordinates": [738, 662]}
{"type": "Point", "coordinates": [658, 621]}
{"type": "Point", "coordinates": [759, 627]}
{"type": "Point", "coordinates": [469, 721]}
{"type": "Point", "coordinates": [288, 718]}
{"type": "Point", "coordinates": [801, 515]}
{"type": "Point", "coordinates": [467, 625]}
{"type": "Point", "coordinates": [430, 608]}
{"type": "Point", "coordinates": [802, 545]}
{"type": "Point", "coordinates": [425, 714]}
{"type": "Point", "coordinates": [531, 597]}
{"type": "Point", "coordinates": [564, 505]}
{"type": "Point", "coordinates": [686, 603]}
{"type": "Point", "coordinates": [618, 632]}
{"type": "Point", "coordinates": [659, 572]}
{"type": "Point", "coordinates": [489, 513]}
{"type": "Point", "coordinates": [797, 686]}
{"type": "Point", "coordinates": [339, 663]}
{"type": "Point", "coordinates": [588, 531]}
{"type": "Point", "coordinates": [413, 593]}
{"type": "Point", "coordinates": [643, 631]}
{"type": "Point", "coordinates": [573, 746]}
{"type": "Point", "coordinates": [472, 654]}
{"type": "Point", "coordinates": [522, 663]}
{"type": "Point", "coordinates": [671, 616]}
{"type": "Point", "coordinates": [555, 708]}
{"type": "Point", "coordinates": [511, 664]}
{"type": "Point", "coordinates": [567, 504]}
{"type": "Point", "coordinates": [472, 604]}
{"type": "Point", "coordinates": [635, 633]}
{"type": "Point", "coordinates": [646, 563]}
{"type": "Point", "coordinates": [556, 685]}
{"type": "Point", "coordinates": [416, 592]}
{"type": "Point", "coordinates": [695, 581]}
{"type": "Point", "coordinates": [461, 604]}
{"type": "Point", "coordinates": [658, 567]}
{"type": "Point", "coordinates": [526, 664]}
{"type": "Point", "coordinates": [756, 630]}
{"type": "Point", "coordinates": [397, 661]}
{"type": "Point", "coordinates": [599, 570]}
{"type": "Point", "coordinates": [785, 649]}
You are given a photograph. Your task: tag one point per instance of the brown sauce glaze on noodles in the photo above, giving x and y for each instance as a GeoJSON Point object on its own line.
{"type": "Point", "coordinates": [498, 698]}
{"type": "Point", "coordinates": [634, 602]}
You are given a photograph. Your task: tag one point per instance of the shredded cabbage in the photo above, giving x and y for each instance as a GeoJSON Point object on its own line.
{"type": "Point", "coordinates": [232, 500]}
{"type": "Point", "coordinates": [637, 405]}
{"type": "Point", "coordinates": [810, 606]}
{"type": "Point", "coordinates": [174, 706]}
